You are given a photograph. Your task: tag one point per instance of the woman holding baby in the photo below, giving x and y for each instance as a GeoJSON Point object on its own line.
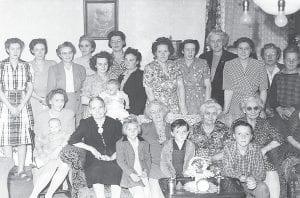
{"type": "Point", "coordinates": [52, 131]}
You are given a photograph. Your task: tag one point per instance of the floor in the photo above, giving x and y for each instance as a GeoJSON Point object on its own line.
{"type": "Point", "coordinates": [21, 188]}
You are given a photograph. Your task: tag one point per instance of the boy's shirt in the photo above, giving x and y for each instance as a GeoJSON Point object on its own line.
{"type": "Point", "coordinates": [251, 164]}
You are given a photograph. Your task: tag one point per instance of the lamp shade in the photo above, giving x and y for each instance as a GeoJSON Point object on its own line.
{"type": "Point", "coordinates": [271, 6]}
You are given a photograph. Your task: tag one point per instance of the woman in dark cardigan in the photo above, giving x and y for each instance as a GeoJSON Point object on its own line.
{"type": "Point", "coordinates": [132, 82]}
{"type": "Point", "coordinates": [216, 59]}
{"type": "Point", "coordinates": [98, 135]}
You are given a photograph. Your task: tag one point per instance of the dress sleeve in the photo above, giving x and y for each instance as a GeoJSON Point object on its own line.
{"type": "Point", "coordinates": [51, 84]}
{"type": "Point", "coordinates": [206, 70]}
{"type": "Point", "coordinates": [263, 85]}
{"type": "Point", "coordinates": [79, 134]}
{"type": "Point", "coordinates": [30, 73]}
{"type": "Point", "coordinates": [273, 93]}
{"type": "Point", "coordinates": [148, 76]}
{"type": "Point", "coordinates": [86, 89]}
{"type": "Point", "coordinates": [227, 78]}
{"type": "Point", "coordinates": [274, 133]}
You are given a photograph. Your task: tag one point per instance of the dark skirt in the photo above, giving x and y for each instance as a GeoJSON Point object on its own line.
{"type": "Point", "coordinates": [103, 172]}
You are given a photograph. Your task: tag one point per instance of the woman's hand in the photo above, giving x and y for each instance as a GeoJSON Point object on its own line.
{"type": "Point", "coordinates": [282, 113]}
{"type": "Point", "coordinates": [135, 177]}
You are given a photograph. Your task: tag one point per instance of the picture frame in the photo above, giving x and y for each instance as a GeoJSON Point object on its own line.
{"type": "Point", "coordinates": [100, 18]}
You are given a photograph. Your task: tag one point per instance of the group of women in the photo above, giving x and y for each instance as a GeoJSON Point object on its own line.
{"type": "Point", "coordinates": [220, 86]}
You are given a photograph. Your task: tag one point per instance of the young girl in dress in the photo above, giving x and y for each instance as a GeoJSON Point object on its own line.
{"type": "Point", "coordinates": [133, 156]}
{"type": "Point", "coordinates": [115, 100]}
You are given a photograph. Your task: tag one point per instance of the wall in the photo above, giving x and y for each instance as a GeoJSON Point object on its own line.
{"type": "Point", "coordinates": [60, 20]}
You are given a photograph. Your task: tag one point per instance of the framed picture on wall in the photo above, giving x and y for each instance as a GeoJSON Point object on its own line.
{"type": "Point", "coordinates": [100, 18]}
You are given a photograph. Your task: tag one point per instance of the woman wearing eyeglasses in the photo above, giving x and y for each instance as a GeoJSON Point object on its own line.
{"type": "Point", "coordinates": [267, 137]}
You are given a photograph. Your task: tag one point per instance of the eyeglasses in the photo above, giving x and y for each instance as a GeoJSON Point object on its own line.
{"type": "Point", "coordinates": [256, 108]}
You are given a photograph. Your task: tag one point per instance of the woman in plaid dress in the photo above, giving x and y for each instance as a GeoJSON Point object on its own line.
{"type": "Point", "coordinates": [16, 120]}
{"type": "Point", "coordinates": [243, 77]}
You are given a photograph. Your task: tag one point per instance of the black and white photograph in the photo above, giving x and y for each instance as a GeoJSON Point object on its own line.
{"type": "Point", "coordinates": [150, 99]}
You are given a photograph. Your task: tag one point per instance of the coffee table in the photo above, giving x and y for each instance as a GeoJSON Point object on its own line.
{"type": "Point", "coordinates": [183, 194]}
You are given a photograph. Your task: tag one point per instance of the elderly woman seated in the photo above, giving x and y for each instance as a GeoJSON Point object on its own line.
{"type": "Point", "coordinates": [267, 137]}
{"type": "Point", "coordinates": [210, 135]}
{"type": "Point", "coordinates": [156, 132]}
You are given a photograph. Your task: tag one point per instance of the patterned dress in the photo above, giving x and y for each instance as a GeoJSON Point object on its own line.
{"type": "Point", "coordinates": [164, 86]}
{"type": "Point", "coordinates": [209, 145]}
{"type": "Point", "coordinates": [15, 130]}
{"type": "Point", "coordinates": [94, 85]}
{"type": "Point", "coordinates": [243, 83]}
{"type": "Point", "coordinates": [193, 79]}
{"type": "Point", "coordinates": [117, 68]}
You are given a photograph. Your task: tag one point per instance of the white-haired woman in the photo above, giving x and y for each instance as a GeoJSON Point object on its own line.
{"type": "Point", "coordinates": [216, 59]}
{"type": "Point", "coordinates": [267, 137]}
{"type": "Point", "coordinates": [156, 133]}
{"type": "Point", "coordinates": [210, 134]}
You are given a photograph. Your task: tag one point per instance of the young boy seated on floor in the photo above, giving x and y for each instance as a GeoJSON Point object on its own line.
{"type": "Point", "coordinates": [244, 160]}
{"type": "Point", "coordinates": [176, 153]}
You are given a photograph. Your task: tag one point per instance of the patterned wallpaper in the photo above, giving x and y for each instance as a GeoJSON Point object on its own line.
{"type": "Point", "coordinates": [262, 31]}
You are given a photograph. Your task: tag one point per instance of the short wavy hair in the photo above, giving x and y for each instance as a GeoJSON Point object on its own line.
{"type": "Point", "coordinates": [270, 46]}
{"type": "Point", "coordinates": [255, 99]}
{"type": "Point", "coordinates": [96, 98]}
{"type": "Point", "coordinates": [116, 33]}
{"type": "Point", "coordinates": [291, 49]}
{"type": "Point", "coordinates": [102, 54]}
{"type": "Point", "coordinates": [65, 44]}
{"type": "Point", "coordinates": [187, 41]}
{"type": "Point", "coordinates": [136, 53]}
{"type": "Point", "coordinates": [161, 105]}
{"type": "Point", "coordinates": [91, 41]}
{"type": "Point", "coordinates": [238, 123]}
{"type": "Point", "coordinates": [163, 41]}
{"type": "Point", "coordinates": [10, 41]}
{"type": "Point", "coordinates": [53, 92]}
{"type": "Point", "coordinates": [34, 42]}
{"type": "Point", "coordinates": [131, 120]}
{"type": "Point", "coordinates": [250, 43]}
{"type": "Point", "coordinates": [224, 36]}
{"type": "Point", "coordinates": [211, 103]}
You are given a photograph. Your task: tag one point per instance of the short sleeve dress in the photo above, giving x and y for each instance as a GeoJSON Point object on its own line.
{"type": "Point", "coordinates": [99, 171]}
{"type": "Point", "coordinates": [164, 86]}
{"type": "Point", "coordinates": [243, 83]}
{"type": "Point", "coordinates": [15, 130]}
{"type": "Point", "coordinates": [193, 79]}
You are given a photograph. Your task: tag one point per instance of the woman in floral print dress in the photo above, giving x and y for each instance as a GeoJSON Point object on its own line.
{"type": "Point", "coordinates": [163, 79]}
{"type": "Point", "coordinates": [210, 135]}
{"type": "Point", "coordinates": [196, 76]}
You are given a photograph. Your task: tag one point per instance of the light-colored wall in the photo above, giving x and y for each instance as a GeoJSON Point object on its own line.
{"type": "Point", "coordinates": [60, 20]}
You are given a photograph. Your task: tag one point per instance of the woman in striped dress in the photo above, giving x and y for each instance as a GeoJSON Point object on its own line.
{"type": "Point", "coordinates": [16, 119]}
